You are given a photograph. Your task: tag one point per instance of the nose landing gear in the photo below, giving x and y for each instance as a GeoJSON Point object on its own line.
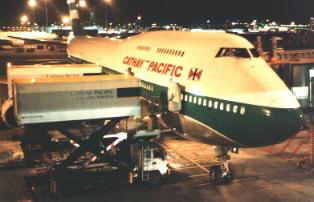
{"type": "Point", "coordinates": [222, 174]}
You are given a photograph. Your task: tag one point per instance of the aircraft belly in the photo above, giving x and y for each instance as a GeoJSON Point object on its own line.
{"type": "Point", "coordinates": [195, 130]}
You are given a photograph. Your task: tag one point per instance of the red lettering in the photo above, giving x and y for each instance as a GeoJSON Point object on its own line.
{"type": "Point", "coordinates": [173, 68]}
{"type": "Point", "coordinates": [163, 68]}
{"type": "Point", "coordinates": [176, 73]}
{"type": "Point", "coordinates": [134, 62]}
{"type": "Point", "coordinates": [151, 65]}
{"type": "Point", "coordinates": [126, 60]}
{"type": "Point", "coordinates": [160, 65]}
{"type": "Point", "coordinates": [140, 63]}
{"type": "Point", "coordinates": [167, 70]}
{"type": "Point", "coordinates": [155, 67]}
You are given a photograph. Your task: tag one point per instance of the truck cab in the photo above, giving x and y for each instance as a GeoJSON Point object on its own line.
{"type": "Point", "coordinates": [149, 160]}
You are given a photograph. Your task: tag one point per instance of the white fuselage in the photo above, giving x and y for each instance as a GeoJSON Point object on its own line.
{"type": "Point", "coordinates": [243, 80]}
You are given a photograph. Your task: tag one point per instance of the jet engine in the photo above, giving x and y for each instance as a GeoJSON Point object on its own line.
{"type": "Point", "coordinates": [17, 43]}
{"type": "Point", "coordinates": [7, 114]}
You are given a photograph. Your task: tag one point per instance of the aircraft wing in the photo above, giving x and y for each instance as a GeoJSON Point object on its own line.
{"type": "Point", "coordinates": [18, 38]}
{"type": "Point", "coordinates": [43, 41]}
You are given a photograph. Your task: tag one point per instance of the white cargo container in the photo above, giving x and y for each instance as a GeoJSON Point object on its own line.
{"type": "Point", "coordinates": [48, 71]}
{"type": "Point", "coordinates": [44, 100]}
{"type": "Point", "coordinates": [41, 71]}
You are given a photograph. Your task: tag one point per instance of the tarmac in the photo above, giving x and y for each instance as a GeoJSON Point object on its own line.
{"type": "Point", "coordinates": [260, 176]}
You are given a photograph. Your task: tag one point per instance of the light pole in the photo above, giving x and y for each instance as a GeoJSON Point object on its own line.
{"type": "Point", "coordinates": [82, 4]}
{"type": "Point", "coordinates": [32, 4]}
{"type": "Point", "coordinates": [46, 14]}
{"type": "Point", "coordinates": [106, 13]}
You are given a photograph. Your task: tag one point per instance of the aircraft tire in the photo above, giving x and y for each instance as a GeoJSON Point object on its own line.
{"type": "Point", "coordinates": [215, 175]}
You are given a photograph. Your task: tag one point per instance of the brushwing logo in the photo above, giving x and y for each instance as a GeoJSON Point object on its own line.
{"type": "Point", "coordinates": [195, 74]}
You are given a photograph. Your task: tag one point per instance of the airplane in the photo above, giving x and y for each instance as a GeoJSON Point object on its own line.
{"type": "Point", "coordinates": [17, 39]}
{"type": "Point", "coordinates": [210, 87]}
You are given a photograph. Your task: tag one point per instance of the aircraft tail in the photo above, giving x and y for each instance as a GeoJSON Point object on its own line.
{"type": "Point", "coordinates": [77, 27]}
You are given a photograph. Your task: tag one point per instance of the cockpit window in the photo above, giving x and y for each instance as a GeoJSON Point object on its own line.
{"type": "Point", "coordinates": [233, 52]}
{"type": "Point", "coordinates": [254, 52]}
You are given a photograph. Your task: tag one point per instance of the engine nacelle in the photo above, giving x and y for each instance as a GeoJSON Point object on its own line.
{"type": "Point", "coordinates": [17, 43]}
{"type": "Point", "coordinates": [7, 114]}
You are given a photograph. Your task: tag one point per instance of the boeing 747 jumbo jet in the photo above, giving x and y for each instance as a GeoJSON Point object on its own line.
{"type": "Point", "coordinates": [212, 87]}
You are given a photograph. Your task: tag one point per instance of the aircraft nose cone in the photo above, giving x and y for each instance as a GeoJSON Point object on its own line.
{"type": "Point", "coordinates": [267, 126]}
{"type": "Point", "coordinates": [282, 124]}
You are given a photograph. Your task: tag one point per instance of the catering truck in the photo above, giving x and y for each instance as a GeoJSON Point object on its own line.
{"type": "Point", "coordinates": [44, 100]}
{"type": "Point", "coordinates": [42, 71]}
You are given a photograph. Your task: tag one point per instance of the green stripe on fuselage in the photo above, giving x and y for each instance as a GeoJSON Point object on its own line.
{"type": "Point", "coordinates": [248, 125]}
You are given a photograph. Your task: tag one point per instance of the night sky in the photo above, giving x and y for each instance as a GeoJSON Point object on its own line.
{"type": "Point", "coordinates": [182, 12]}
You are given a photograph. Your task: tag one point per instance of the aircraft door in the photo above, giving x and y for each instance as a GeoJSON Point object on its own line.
{"type": "Point", "coordinates": [174, 97]}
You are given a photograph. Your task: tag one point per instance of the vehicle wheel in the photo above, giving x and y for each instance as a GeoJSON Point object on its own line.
{"type": "Point", "coordinates": [153, 179]}
{"type": "Point", "coordinates": [216, 177]}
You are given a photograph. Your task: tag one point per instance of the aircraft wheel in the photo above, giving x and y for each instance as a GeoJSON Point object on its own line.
{"type": "Point", "coordinates": [229, 177]}
{"type": "Point", "coordinates": [216, 176]}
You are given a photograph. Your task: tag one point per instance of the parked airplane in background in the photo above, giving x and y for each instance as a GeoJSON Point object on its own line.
{"type": "Point", "coordinates": [212, 87]}
{"type": "Point", "coordinates": [17, 38]}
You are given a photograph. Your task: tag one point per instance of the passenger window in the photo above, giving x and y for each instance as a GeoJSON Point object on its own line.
{"type": "Point", "coordinates": [199, 101]}
{"type": "Point", "coordinates": [186, 98]}
{"type": "Point", "coordinates": [216, 104]}
{"type": "Point", "coordinates": [228, 107]}
{"type": "Point", "coordinates": [242, 110]}
{"type": "Point", "coordinates": [210, 103]}
{"type": "Point", "coordinates": [221, 106]}
{"type": "Point", "coordinates": [235, 109]}
{"type": "Point", "coordinates": [190, 98]}
{"type": "Point", "coordinates": [195, 100]}
{"type": "Point", "coordinates": [204, 102]}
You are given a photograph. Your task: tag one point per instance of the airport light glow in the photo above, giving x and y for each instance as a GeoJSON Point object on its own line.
{"type": "Point", "coordinates": [32, 3]}
{"type": "Point", "coordinates": [82, 3]}
{"type": "Point", "coordinates": [65, 19]}
{"type": "Point", "coordinates": [24, 19]}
